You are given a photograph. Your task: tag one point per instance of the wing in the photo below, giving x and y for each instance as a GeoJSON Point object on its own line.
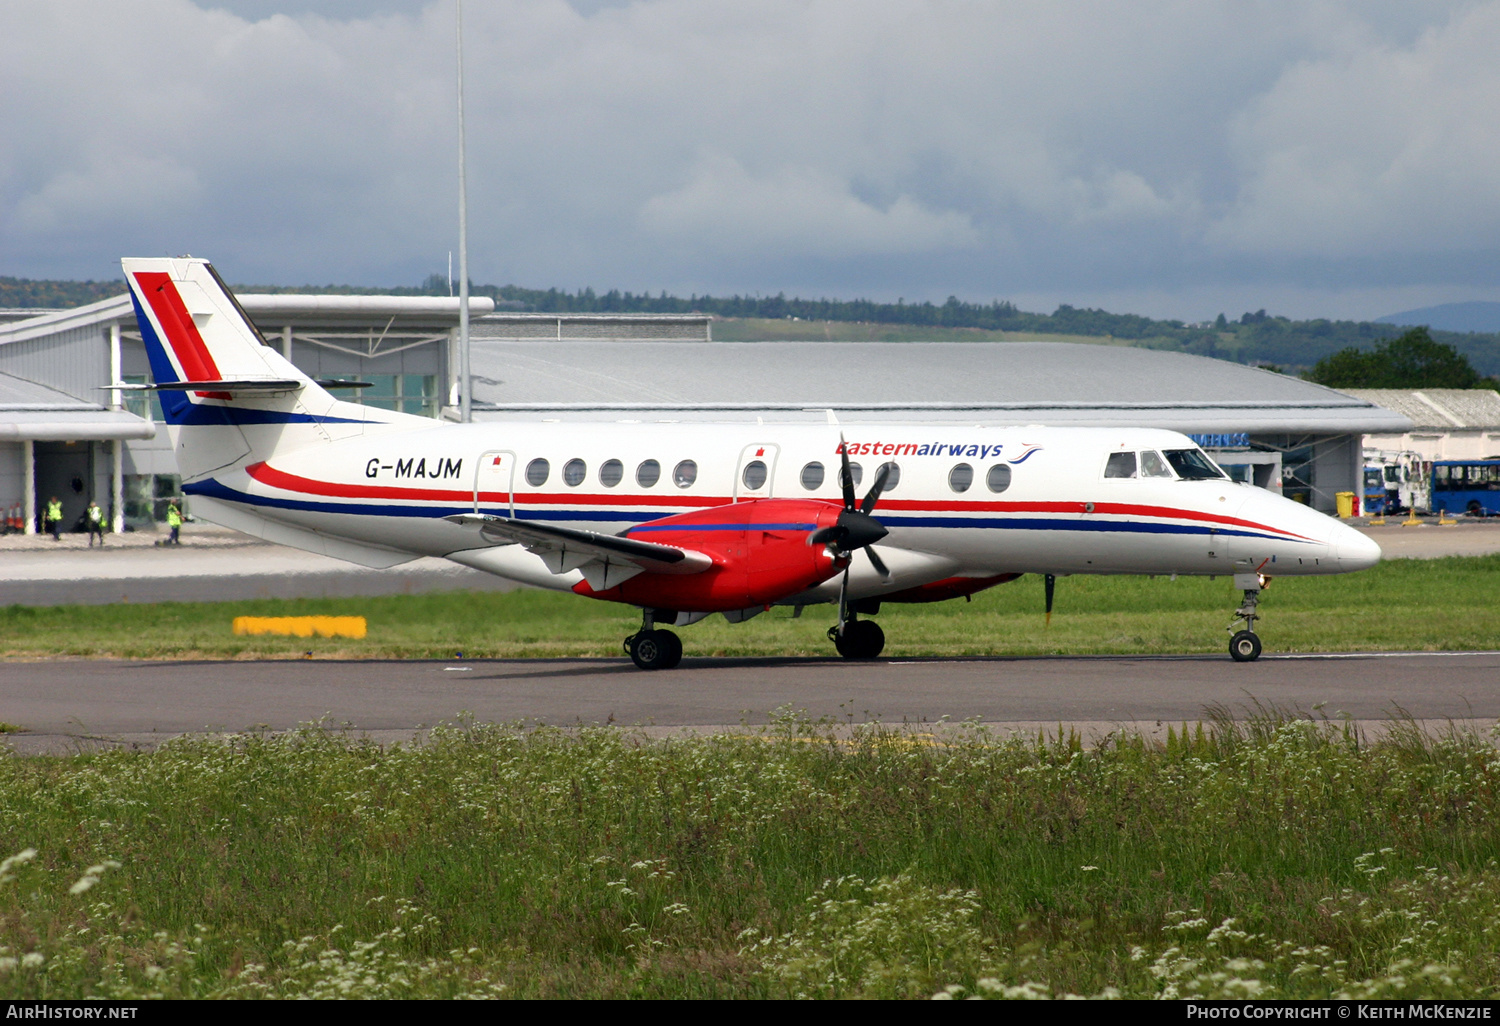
{"type": "Point", "coordinates": [606, 560]}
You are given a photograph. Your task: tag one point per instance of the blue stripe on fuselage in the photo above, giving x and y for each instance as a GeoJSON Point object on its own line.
{"type": "Point", "coordinates": [214, 489]}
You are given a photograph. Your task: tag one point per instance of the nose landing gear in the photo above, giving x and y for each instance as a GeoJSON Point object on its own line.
{"type": "Point", "coordinates": [1244, 644]}
{"type": "Point", "coordinates": [652, 649]}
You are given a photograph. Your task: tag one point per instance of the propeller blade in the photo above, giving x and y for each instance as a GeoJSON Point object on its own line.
{"type": "Point", "coordinates": [843, 602]}
{"type": "Point", "coordinates": [879, 564]}
{"type": "Point", "coordinates": [831, 535]}
{"type": "Point", "coordinates": [875, 489]}
{"type": "Point", "coordinates": [846, 479]}
{"type": "Point", "coordinates": [1049, 582]}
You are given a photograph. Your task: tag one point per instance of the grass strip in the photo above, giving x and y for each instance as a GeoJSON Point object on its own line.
{"type": "Point", "coordinates": [1267, 858]}
{"type": "Point", "coordinates": [1450, 604]}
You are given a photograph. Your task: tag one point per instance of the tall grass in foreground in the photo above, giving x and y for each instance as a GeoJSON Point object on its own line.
{"type": "Point", "coordinates": [1274, 858]}
{"type": "Point", "coordinates": [1448, 604]}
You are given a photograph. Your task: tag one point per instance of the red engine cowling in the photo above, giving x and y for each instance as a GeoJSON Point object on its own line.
{"type": "Point", "coordinates": [759, 549]}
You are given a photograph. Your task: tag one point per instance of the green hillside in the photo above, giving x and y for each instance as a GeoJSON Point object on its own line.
{"type": "Point", "coordinates": [1253, 338]}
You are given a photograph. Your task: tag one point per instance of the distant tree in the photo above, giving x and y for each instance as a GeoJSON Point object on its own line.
{"type": "Point", "coordinates": [1412, 360]}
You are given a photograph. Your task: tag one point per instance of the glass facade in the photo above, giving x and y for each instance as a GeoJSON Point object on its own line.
{"type": "Point", "coordinates": [404, 393]}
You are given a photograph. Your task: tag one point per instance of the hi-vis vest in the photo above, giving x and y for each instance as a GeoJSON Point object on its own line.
{"type": "Point", "coordinates": [54, 511]}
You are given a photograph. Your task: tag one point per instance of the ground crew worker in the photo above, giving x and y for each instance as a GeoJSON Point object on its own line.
{"type": "Point", "coordinates": [95, 519]}
{"type": "Point", "coordinates": [53, 518]}
{"type": "Point", "coordinates": [174, 521]}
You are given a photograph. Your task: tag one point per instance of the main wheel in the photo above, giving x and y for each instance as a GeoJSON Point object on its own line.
{"type": "Point", "coordinates": [862, 639]}
{"type": "Point", "coordinates": [654, 650]}
{"type": "Point", "coordinates": [1244, 647]}
{"type": "Point", "coordinates": [671, 649]}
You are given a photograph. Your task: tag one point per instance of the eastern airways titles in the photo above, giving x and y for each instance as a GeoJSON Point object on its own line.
{"type": "Point", "coordinates": [417, 466]}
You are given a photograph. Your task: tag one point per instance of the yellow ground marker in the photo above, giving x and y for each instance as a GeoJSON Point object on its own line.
{"type": "Point", "coordinates": [302, 626]}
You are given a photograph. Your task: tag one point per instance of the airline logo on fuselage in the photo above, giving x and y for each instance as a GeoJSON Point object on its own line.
{"type": "Point", "coordinates": [975, 450]}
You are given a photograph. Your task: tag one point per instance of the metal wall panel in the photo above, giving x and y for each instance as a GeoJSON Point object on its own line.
{"type": "Point", "coordinates": [74, 361]}
{"type": "Point", "coordinates": [12, 474]}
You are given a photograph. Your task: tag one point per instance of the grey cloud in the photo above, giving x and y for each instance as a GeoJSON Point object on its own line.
{"type": "Point", "coordinates": [872, 147]}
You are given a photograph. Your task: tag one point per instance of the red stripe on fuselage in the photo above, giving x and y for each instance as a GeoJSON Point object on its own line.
{"type": "Point", "coordinates": [192, 354]}
{"type": "Point", "coordinates": [1100, 508]}
{"type": "Point", "coordinates": [268, 475]}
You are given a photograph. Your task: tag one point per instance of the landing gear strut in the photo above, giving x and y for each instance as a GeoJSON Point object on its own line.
{"type": "Point", "coordinates": [1244, 644]}
{"type": "Point", "coordinates": [652, 649]}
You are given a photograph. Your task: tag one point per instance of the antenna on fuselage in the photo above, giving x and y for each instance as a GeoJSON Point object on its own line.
{"type": "Point", "coordinates": [1049, 585]}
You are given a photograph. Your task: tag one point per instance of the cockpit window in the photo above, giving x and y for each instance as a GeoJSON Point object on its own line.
{"type": "Point", "coordinates": [1152, 465]}
{"type": "Point", "coordinates": [1192, 465]}
{"type": "Point", "coordinates": [1121, 464]}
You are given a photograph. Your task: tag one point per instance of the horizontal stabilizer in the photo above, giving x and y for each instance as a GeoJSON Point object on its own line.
{"type": "Point", "coordinates": [567, 549]}
{"type": "Point", "coordinates": [247, 385]}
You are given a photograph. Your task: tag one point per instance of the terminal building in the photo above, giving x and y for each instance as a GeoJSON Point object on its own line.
{"type": "Point", "coordinates": [63, 433]}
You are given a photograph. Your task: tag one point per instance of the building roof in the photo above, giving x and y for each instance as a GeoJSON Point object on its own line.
{"type": "Point", "coordinates": [33, 411]}
{"type": "Point", "coordinates": [996, 382]}
{"type": "Point", "coordinates": [266, 310]}
{"type": "Point", "coordinates": [1442, 409]}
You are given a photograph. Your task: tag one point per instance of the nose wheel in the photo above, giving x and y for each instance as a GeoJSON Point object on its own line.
{"type": "Point", "coordinates": [1244, 647]}
{"type": "Point", "coordinates": [1244, 644]}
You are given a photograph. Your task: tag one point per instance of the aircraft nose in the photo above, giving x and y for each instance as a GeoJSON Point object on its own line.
{"type": "Point", "coordinates": [1355, 551]}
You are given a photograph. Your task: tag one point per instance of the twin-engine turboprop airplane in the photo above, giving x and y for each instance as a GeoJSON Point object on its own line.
{"type": "Point", "coordinates": [683, 522]}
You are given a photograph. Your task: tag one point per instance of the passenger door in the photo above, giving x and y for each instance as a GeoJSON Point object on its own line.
{"type": "Point", "coordinates": [493, 478]}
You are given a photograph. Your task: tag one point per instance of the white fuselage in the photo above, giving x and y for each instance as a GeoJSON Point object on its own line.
{"type": "Point", "coordinates": [1033, 499]}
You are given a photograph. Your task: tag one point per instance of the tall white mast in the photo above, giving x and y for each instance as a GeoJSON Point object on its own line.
{"type": "Point", "coordinates": [466, 403]}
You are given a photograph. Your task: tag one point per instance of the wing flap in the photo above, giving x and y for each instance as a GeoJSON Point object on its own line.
{"type": "Point", "coordinates": [609, 558]}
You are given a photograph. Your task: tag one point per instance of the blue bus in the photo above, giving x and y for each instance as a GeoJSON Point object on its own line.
{"type": "Point", "coordinates": [1467, 486]}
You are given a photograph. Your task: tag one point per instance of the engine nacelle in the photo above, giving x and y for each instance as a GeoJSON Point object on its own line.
{"type": "Point", "coordinates": [759, 549]}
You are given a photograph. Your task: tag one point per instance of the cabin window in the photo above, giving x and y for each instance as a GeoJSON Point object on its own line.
{"type": "Point", "coordinates": [1121, 464]}
{"type": "Point", "coordinates": [684, 474]}
{"type": "Point", "coordinates": [648, 473]}
{"type": "Point", "coordinates": [611, 473]}
{"type": "Point", "coordinates": [812, 476]}
{"type": "Point", "coordinates": [754, 475]}
{"type": "Point", "coordinates": [1192, 465]}
{"type": "Point", "coordinates": [998, 479]}
{"type": "Point", "coordinates": [892, 477]}
{"type": "Point", "coordinates": [574, 471]}
{"type": "Point", "coordinates": [537, 471]}
{"type": "Point", "coordinates": [856, 473]}
{"type": "Point", "coordinates": [961, 477]}
{"type": "Point", "coordinates": [1152, 465]}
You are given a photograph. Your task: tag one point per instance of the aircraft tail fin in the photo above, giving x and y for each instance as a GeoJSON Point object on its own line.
{"type": "Point", "coordinates": [228, 397]}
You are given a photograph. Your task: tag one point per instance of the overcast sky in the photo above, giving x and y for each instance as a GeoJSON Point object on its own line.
{"type": "Point", "coordinates": [1176, 159]}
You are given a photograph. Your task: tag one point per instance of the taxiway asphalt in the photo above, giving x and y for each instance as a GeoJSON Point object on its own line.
{"type": "Point", "coordinates": [61, 704]}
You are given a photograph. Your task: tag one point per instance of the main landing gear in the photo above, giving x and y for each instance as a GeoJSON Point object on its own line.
{"type": "Point", "coordinates": [862, 639]}
{"type": "Point", "coordinates": [652, 649]}
{"type": "Point", "coordinates": [855, 638]}
{"type": "Point", "coordinates": [1244, 644]}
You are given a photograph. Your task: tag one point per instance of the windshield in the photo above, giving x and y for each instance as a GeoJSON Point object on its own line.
{"type": "Point", "coordinates": [1192, 465]}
